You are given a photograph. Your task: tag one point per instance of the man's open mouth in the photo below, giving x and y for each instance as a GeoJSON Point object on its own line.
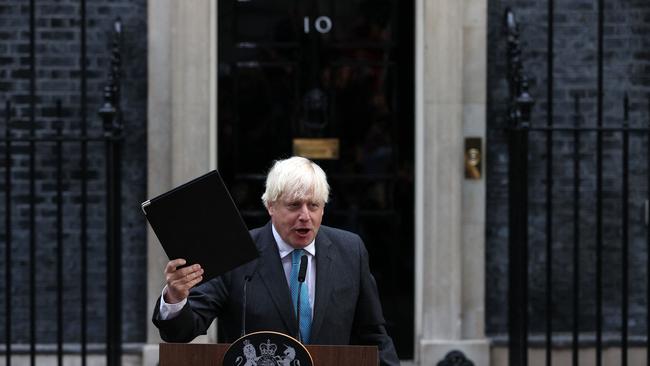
{"type": "Point", "coordinates": [303, 231]}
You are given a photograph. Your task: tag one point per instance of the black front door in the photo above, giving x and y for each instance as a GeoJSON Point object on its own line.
{"type": "Point", "coordinates": [333, 81]}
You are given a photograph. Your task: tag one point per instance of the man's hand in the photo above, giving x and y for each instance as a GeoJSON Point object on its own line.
{"type": "Point", "coordinates": [180, 281]}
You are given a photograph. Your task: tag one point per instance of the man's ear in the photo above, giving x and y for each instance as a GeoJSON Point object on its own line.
{"type": "Point", "coordinates": [270, 209]}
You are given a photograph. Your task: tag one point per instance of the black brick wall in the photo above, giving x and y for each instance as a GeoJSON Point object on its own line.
{"type": "Point", "coordinates": [57, 62]}
{"type": "Point", "coordinates": [626, 70]}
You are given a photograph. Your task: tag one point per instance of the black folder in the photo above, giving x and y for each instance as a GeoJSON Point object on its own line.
{"type": "Point", "coordinates": [198, 221]}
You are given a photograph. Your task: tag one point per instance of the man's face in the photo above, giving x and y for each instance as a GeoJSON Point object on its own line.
{"type": "Point", "coordinates": [297, 221]}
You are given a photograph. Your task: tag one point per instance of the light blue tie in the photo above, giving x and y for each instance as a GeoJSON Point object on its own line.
{"type": "Point", "coordinates": [305, 308]}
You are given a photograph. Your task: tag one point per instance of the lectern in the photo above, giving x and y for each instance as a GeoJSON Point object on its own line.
{"type": "Point", "coordinates": [194, 354]}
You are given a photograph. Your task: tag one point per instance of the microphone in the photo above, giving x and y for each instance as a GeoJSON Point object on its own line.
{"type": "Point", "coordinates": [301, 278]}
{"type": "Point", "coordinates": [303, 269]}
{"type": "Point", "coordinates": [247, 279]}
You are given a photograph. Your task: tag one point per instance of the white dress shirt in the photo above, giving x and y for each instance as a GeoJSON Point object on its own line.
{"type": "Point", "coordinates": [169, 311]}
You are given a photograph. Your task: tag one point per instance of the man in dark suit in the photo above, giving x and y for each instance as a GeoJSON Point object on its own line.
{"type": "Point", "coordinates": [339, 304]}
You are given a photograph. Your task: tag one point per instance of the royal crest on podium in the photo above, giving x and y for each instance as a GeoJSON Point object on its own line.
{"type": "Point", "coordinates": [267, 349]}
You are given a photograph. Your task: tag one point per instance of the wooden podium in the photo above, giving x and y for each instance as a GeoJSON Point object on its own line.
{"type": "Point", "coordinates": [195, 354]}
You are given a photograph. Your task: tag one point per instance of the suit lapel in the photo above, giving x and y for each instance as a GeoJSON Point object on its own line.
{"type": "Point", "coordinates": [323, 282]}
{"type": "Point", "coordinates": [274, 279]}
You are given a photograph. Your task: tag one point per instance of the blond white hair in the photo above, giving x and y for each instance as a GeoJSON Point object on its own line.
{"type": "Point", "coordinates": [295, 178]}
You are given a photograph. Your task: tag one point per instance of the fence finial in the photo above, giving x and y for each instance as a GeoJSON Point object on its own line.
{"type": "Point", "coordinates": [110, 110]}
{"type": "Point", "coordinates": [521, 102]}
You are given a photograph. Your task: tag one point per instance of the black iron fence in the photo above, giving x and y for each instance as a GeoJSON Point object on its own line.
{"type": "Point", "coordinates": [588, 222]}
{"type": "Point", "coordinates": [53, 210]}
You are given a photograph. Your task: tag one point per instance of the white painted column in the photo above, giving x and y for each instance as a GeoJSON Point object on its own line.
{"type": "Point", "coordinates": [451, 38]}
{"type": "Point", "coordinates": [159, 122]}
{"type": "Point", "coordinates": [193, 80]}
{"type": "Point", "coordinates": [181, 116]}
{"type": "Point", "coordinates": [473, 195]}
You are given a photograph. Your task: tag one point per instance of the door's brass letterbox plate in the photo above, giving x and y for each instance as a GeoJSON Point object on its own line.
{"type": "Point", "coordinates": [316, 148]}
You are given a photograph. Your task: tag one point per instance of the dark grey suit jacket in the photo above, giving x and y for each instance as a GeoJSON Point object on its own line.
{"type": "Point", "coordinates": [346, 311]}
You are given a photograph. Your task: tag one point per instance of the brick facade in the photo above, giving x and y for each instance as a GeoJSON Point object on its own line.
{"type": "Point", "coordinates": [626, 70]}
{"type": "Point", "coordinates": [57, 64]}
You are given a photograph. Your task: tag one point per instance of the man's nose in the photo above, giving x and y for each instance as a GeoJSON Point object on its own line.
{"type": "Point", "coordinates": [304, 212]}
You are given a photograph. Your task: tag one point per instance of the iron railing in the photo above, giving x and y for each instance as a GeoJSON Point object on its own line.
{"type": "Point", "coordinates": [35, 144]}
{"type": "Point", "coordinates": [533, 151]}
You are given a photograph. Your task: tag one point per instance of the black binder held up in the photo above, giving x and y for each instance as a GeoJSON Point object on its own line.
{"type": "Point", "coordinates": [198, 221]}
